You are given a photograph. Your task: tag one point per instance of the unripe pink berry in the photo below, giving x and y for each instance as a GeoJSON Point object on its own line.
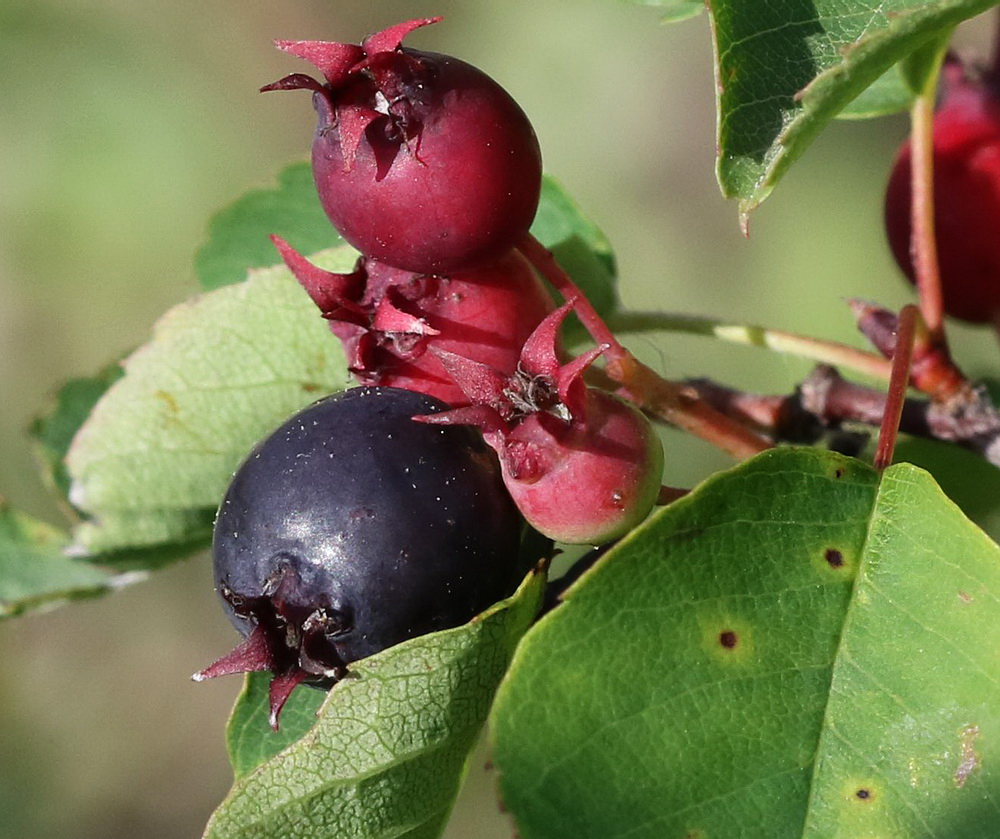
{"type": "Point", "coordinates": [583, 482]}
{"type": "Point", "coordinates": [582, 465]}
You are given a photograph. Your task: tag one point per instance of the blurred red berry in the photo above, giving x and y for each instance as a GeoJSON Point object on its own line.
{"type": "Point", "coordinates": [966, 198]}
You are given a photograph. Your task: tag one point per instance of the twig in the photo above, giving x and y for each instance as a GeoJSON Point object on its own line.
{"type": "Point", "coordinates": [826, 352]}
{"type": "Point", "coordinates": [825, 401]}
{"type": "Point", "coordinates": [669, 401]}
{"type": "Point", "coordinates": [932, 371]}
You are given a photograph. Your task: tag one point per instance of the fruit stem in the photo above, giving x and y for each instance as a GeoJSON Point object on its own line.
{"type": "Point", "coordinates": [828, 352]}
{"type": "Point", "coordinates": [680, 405]}
{"type": "Point", "coordinates": [544, 261]}
{"type": "Point", "coordinates": [923, 243]}
{"type": "Point", "coordinates": [902, 357]}
{"type": "Point", "coordinates": [932, 370]}
{"type": "Point", "coordinates": [669, 401]}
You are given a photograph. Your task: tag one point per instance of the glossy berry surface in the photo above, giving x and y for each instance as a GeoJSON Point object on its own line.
{"type": "Point", "coordinates": [421, 160]}
{"type": "Point", "coordinates": [388, 319]}
{"type": "Point", "coordinates": [352, 528]}
{"type": "Point", "coordinates": [966, 198]}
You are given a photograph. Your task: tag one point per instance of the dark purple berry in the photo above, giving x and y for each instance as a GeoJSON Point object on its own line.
{"type": "Point", "coordinates": [421, 161]}
{"type": "Point", "coordinates": [352, 528]}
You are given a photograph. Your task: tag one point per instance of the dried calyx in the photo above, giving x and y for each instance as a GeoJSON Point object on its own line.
{"type": "Point", "coordinates": [290, 632]}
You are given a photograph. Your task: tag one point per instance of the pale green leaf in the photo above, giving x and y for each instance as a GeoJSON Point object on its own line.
{"type": "Point", "coordinates": [52, 431]}
{"type": "Point", "coordinates": [239, 235]}
{"type": "Point", "coordinates": [151, 462]}
{"type": "Point", "coordinates": [799, 648]}
{"type": "Point", "coordinates": [386, 754]}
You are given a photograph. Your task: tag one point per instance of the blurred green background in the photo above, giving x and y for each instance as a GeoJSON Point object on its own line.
{"type": "Point", "coordinates": [124, 125]}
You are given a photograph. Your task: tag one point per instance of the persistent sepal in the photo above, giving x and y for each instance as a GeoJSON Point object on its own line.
{"type": "Point", "coordinates": [582, 465]}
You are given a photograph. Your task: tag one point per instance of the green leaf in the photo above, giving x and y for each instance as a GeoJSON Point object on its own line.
{"type": "Point", "coordinates": [969, 480]}
{"type": "Point", "coordinates": [580, 247]}
{"type": "Point", "coordinates": [238, 236]}
{"type": "Point", "coordinates": [785, 69]}
{"type": "Point", "coordinates": [152, 461]}
{"type": "Point", "coordinates": [799, 648]}
{"type": "Point", "coordinates": [386, 754]}
{"type": "Point", "coordinates": [921, 68]}
{"type": "Point", "coordinates": [250, 740]}
{"type": "Point", "coordinates": [888, 94]}
{"type": "Point", "coordinates": [53, 431]}
{"type": "Point", "coordinates": [35, 572]}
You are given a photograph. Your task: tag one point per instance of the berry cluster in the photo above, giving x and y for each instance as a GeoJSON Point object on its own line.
{"type": "Point", "coordinates": [433, 172]}
{"type": "Point", "coordinates": [381, 513]}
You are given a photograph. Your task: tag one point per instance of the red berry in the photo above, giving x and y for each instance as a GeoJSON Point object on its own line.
{"type": "Point", "coordinates": [421, 161]}
{"type": "Point", "coordinates": [387, 318]}
{"type": "Point", "coordinates": [587, 480]}
{"type": "Point", "coordinates": [966, 198]}
{"type": "Point", "coordinates": [582, 465]}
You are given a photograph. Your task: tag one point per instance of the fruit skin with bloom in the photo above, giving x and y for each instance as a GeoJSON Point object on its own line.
{"type": "Point", "coordinates": [420, 160]}
{"type": "Point", "coordinates": [388, 318]}
{"type": "Point", "coordinates": [352, 528]}
{"type": "Point", "coordinates": [966, 136]}
{"type": "Point", "coordinates": [582, 465]}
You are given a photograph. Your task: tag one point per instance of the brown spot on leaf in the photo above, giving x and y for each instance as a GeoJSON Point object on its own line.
{"type": "Point", "coordinates": [834, 558]}
{"type": "Point", "coordinates": [863, 794]}
{"type": "Point", "coordinates": [970, 760]}
{"type": "Point", "coordinates": [965, 597]}
{"type": "Point", "coordinates": [728, 639]}
{"type": "Point", "coordinates": [839, 472]}
{"type": "Point", "coordinates": [168, 398]}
